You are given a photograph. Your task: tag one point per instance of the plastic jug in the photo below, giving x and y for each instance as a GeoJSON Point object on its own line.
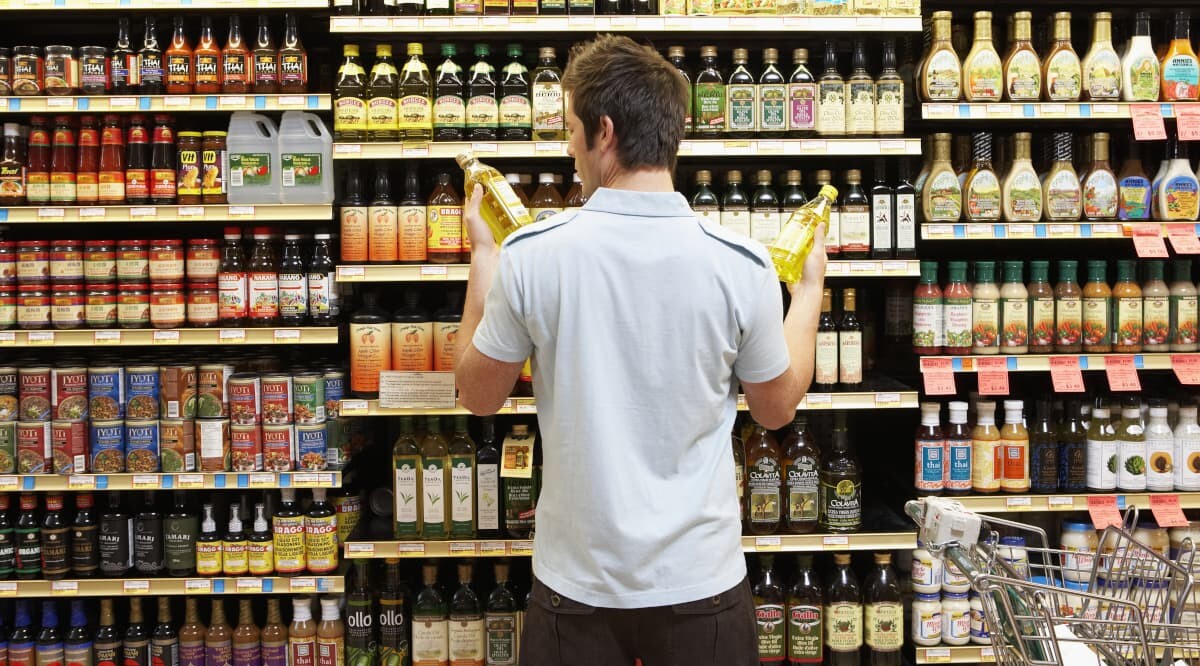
{"type": "Point", "coordinates": [252, 159]}
{"type": "Point", "coordinates": [305, 151]}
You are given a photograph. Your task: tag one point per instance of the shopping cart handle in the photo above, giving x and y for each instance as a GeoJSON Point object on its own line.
{"type": "Point", "coordinates": [942, 522]}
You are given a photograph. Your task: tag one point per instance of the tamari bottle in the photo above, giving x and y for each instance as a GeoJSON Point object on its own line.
{"type": "Point", "coordinates": [1022, 67]}
{"type": "Point", "coordinates": [85, 537]}
{"type": "Point", "coordinates": [1102, 65]}
{"type": "Point", "coordinates": [765, 483]}
{"type": "Point", "coordinates": [1061, 191]}
{"type": "Point", "coordinates": [383, 116]}
{"type": "Point", "coordinates": [981, 190]}
{"type": "Point", "coordinates": [1061, 68]}
{"type": "Point", "coordinates": [1183, 307]}
{"type": "Point", "coordinates": [49, 648]}
{"type": "Point", "coordinates": [1127, 308]}
{"type": "Point", "coordinates": [415, 89]}
{"type": "Point", "coordinates": [982, 69]}
{"type": "Point", "coordinates": [987, 464]}
{"type": "Point", "coordinates": [843, 615]}
{"type": "Point", "coordinates": [942, 195]}
{"type": "Point", "coordinates": [831, 96]}
{"type": "Point", "coordinates": [1156, 309]}
{"type": "Point", "coordinates": [1097, 310]}
{"type": "Point", "coordinates": [1014, 310]}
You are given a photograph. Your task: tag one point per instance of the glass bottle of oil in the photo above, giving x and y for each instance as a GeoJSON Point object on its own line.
{"type": "Point", "coordinates": [548, 121]}
{"type": "Point", "coordinates": [705, 204]}
{"type": "Point", "coordinates": [981, 192]}
{"type": "Point", "coordinates": [450, 99]}
{"type": "Point", "coordinates": [771, 97]}
{"type": "Point", "coordinates": [860, 95]}
{"type": "Point", "coordinates": [383, 115]}
{"type": "Point", "coordinates": [840, 492]}
{"type": "Point", "coordinates": [941, 197]}
{"type": "Point", "coordinates": [483, 110]}
{"type": "Point", "coordinates": [709, 97]}
{"type": "Point", "coordinates": [802, 97]}
{"type": "Point", "coordinates": [795, 241]}
{"type": "Point", "coordinates": [831, 101]}
{"type": "Point", "coordinates": [1021, 192]}
{"type": "Point", "coordinates": [740, 102]}
{"type": "Point", "coordinates": [941, 71]}
{"type": "Point", "coordinates": [889, 95]}
{"type": "Point", "coordinates": [501, 209]}
{"type": "Point", "coordinates": [416, 97]}
{"type": "Point", "coordinates": [1061, 69]}
{"type": "Point", "coordinates": [735, 205]}
{"type": "Point", "coordinates": [1061, 191]}
{"type": "Point", "coordinates": [1102, 65]}
{"type": "Point", "coordinates": [983, 73]}
{"type": "Point", "coordinates": [1022, 67]}
{"type": "Point", "coordinates": [764, 482]}
{"type": "Point", "coordinates": [350, 98]}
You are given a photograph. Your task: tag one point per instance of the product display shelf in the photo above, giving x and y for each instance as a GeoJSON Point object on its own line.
{"type": "Point", "coordinates": [179, 103]}
{"type": "Point", "coordinates": [867, 147]}
{"type": "Point", "coordinates": [170, 481]}
{"type": "Point", "coordinates": [173, 586]}
{"type": "Point", "coordinates": [1044, 110]}
{"type": "Point", "coordinates": [156, 5]}
{"type": "Point", "coordinates": [1041, 362]}
{"type": "Point", "coordinates": [460, 272]}
{"type": "Point", "coordinates": [1042, 230]}
{"type": "Point", "coordinates": [589, 24]}
{"type": "Point", "coordinates": [1001, 503]}
{"type": "Point", "coordinates": [314, 335]}
{"type": "Point", "coordinates": [750, 544]}
{"type": "Point", "coordinates": [205, 214]}
{"type": "Point", "coordinates": [965, 654]}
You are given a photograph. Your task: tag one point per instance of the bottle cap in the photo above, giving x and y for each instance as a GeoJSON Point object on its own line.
{"type": "Point", "coordinates": [208, 524]}
{"type": "Point", "coordinates": [958, 412]}
{"type": "Point", "coordinates": [301, 610]}
{"type": "Point", "coordinates": [931, 414]}
{"type": "Point", "coordinates": [260, 518]}
{"type": "Point", "coordinates": [828, 191]}
{"type": "Point", "coordinates": [235, 519]}
{"type": "Point", "coordinates": [546, 178]}
{"type": "Point", "coordinates": [464, 157]}
{"type": "Point", "coordinates": [329, 610]}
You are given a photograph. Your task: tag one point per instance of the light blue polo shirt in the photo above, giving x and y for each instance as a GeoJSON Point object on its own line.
{"type": "Point", "coordinates": [639, 317]}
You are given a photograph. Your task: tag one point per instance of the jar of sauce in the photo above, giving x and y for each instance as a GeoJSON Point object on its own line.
{"type": "Point", "coordinates": [5, 71]}
{"type": "Point", "coordinates": [66, 261]}
{"type": "Point", "coordinates": [100, 261]}
{"type": "Point", "coordinates": [67, 306]}
{"type": "Point", "coordinates": [133, 305]}
{"type": "Point", "coordinates": [33, 261]}
{"type": "Point", "coordinates": [133, 261]}
{"type": "Point", "coordinates": [100, 306]}
{"type": "Point", "coordinates": [8, 305]}
{"type": "Point", "coordinates": [204, 304]}
{"type": "Point", "coordinates": [8, 262]}
{"type": "Point", "coordinates": [93, 69]}
{"type": "Point", "coordinates": [166, 260]}
{"type": "Point", "coordinates": [61, 70]}
{"type": "Point", "coordinates": [212, 164]}
{"type": "Point", "coordinates": [33, 306]}
{"type": "Point", "coordinates": [168, 305]}
{"type": "Point", "coordinates": [27, 71]}
{"type": "Point", "coordinates": [188, 188]}
{"type": "Point", "coordinates": [203, 259]}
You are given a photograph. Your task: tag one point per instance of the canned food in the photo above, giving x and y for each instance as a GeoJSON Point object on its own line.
{"type": "Point", "coordinates": [335, 390]}
{"type": "Point", "coordinates": [245, 443]}
{"type": "Point", "coordinates": [211, 399]}
{"type": "Point", "coordinates": [106, 393]}
{"type": "Point", "coordinates": [141, 445]}
{"type": "Point", "coordinates": [276, 399]}
{"type": "Point", "coordinates": [8, 447]}
{"type": "Point", "coordinates": [34, 393]}
{"type": "Point", "coordinates": [107, 441]}
{"type": "Point", "coordinates": [69, 447]}
{"type": "Point", "coordinates": [277, 443]}
{"type": "Point", "coordinates": [310, 447]}
{"type": "Point", "coordinates": [9, 405]}
{"type": "Point", "coordinates": [309, 398]}
{"type": "Point", "coordinates": [177, 390]}
{"type": "Point", "coordinates": [177, 445]}
{"type": "Point", "coordinates": [244, 398]}
{"type": "Point", "coordinates": [212, 439]}
{"type": "Point", "coordinates": [69, 393]}
{"type": "Point", "coordinates": [141, 392]}
{"type": "Point", "coordinates": [33, 446]}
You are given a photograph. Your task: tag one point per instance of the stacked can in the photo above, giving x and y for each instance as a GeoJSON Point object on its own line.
{"type": "Point", "coordinates": [279, 422]}
{"type": "Point", "coordinates": [45, 413]}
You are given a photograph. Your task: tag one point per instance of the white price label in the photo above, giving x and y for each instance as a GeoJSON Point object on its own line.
{"type": "Point", "coordinates": [232, 335]}
{"type": "Point", "coordinates": [768, 543]}
{"type": "Point", "coordinates": [121, 102]}
{"type": "Point", "coordinates": [892, 146]}
{"type": "Point", "coordinates": [547, 147]}
{"type": "Point", "coordinates": [165, 337]}
{"type": "Point", "coordinates": [430, 272]}
{"type": "Point", "coordinates": [1018, 502]}
{"type": "Point", "coordinates": [51, 212]}
{"type": "Point", "coordinates": [241, 210]}
{"type": "Point", "coordinates": [410, 549]}
{"type": "Point", "coordinates": [64, 587]}
{"type": "Point", "coordinates": [286, 334]}
{"type": "Point", "coordinates": [882, 399]}
{"type": "Point", "coordinates": [1064, 501]}
{"type": "Point", "coordinates": [249, 585]}
{"type": "Point", "coordinates": [818, 399]}
{"type": "Point", "coordinates": [1054, 108]}
{"type": "Point", "coordinates": [367, 549]}
{"type": "Point", "coordinates": [421, 150]}
{"type": "Point", "coordinates": [351, 273]}
{"type": "Point", "coordinates": [81, 481]}
{"type": "Point", "coordinates": [290, 100]}
{"type": "Point", "coordinates": [41, 338]}
{"type": "Point", "coordinates": [462, 548]}
{"type": "Point", "coordinates": [353, 407]}
{"type": "Point", "coordinates": [828, 541]}
{"type": "Point", "coordinates": [483, 147]}
{"type": "Point", "coordinates": [191, 211]}
{"type": "Point", "coordinates": [143, 211]}
{"type": "Point", "coordinates": [180, 101]}
{"type": "Point", "coordinates": [9, 482]}
{"type": "Point", "coordinates": [526, 408]}
{"type": "Point", "coordinates": [999, 109]}
{"type": "Point", "coordinates": [227, 101]}
{"type": "Point", "coordinates": [347, 148]}
{"type": "Point", "coordinates": [189, 480]}
{"type": "Point", "coordinates": [303, 585]}
{"type": "Point", "coordinates": [59, 102]}
{"type": "Point", "coordinates": [8, 588]}
{"type": "Point", "coordinates": [147, 481]}
{"type": "Point", "coordinates": [92, 212]}
{"type": "Point", "coordinates": [136, 586]}
{"type": "Point", "coordinates": [198, 585]}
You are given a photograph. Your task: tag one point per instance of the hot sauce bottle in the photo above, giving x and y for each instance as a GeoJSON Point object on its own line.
{"type": "Point", "coordinates": [112, 161]}
{"type": "Point", "coordinates": [293, 59]}
{"type": "Point", "coordinates": [162, 162]}
{"type": "Point", "coordinates": [235, 59]}
{"type": "Point", "coordinates": [180, 79]}
{"type": "Point", "coordinates": [206, 60]}
{"type": "Point", "coordinates": [87, 181]}
{"type": "Point", "coordinates": [266, 59]}
{"type": "Point", "coordinates": [137, 161]}
{"type": "Point", "coordinates": [37, 162]}
{"type": "Point", "coordinates": [62, 162]}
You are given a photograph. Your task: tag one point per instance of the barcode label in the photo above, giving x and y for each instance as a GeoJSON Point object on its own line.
{"type": "Point", "coordinates": [235, 178]}
{"type": "Point", "coordinates": [289, 178]}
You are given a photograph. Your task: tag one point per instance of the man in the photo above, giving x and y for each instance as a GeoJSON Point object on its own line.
{"type": "Point", "coordinates": [641, 320]}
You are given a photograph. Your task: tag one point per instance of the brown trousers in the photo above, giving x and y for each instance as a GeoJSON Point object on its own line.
{"type": "Point", "coordinates": [714, 631]}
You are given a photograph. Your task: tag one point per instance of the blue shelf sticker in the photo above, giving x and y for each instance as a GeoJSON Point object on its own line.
{"type": "Point", "coordinates": [218, 480]}
{"type": "Point", "coordinates": [243, 481]}
{"type": "Point", "coordinates": [168, 481]}
{"type": "Point", "coordinates": [999, 231]}
{"type": "Point", "coordinates": [956, 363]}
{"type": "Point", "coordinates": [285, 480]}
{"type": "Point", "coordinates": [1121, 502]}
{"type": "Point", "coordinates": [1138, 361]}
{"type": "Point", "coordinates": [260, 102]}
{"type": "Point", "coordinates": [1039, 230]}
{"type": "Point", "coordinates": [1085, 231]}
{"type": "Point", "coordinates": [960, 231]}
{"type": "Point", "coordinates": [28, 483]}
{"type": "Point", "coordinates": [1083, 363]}
{"type": "Point", "coordinates": [324, 585]}
{"type": "Point", "coordinates": [3, 215]}
{"type": "Point", "coordinates": [268, 585]}
{"type": "Point", "coordinates": [185, 3]}
{"type": "Point", "coordinates": [14, 104]}
{"type": "Point", "coordinates": [101, 482]}
{"type": "Point", "coordinates": [210, 102]}
{"type": "Point", "coordinates": [1028, 110]}
{"type": "Point", "coordinates": [313, 101]}
{"type": "Point", "coordinates": [219, 586]}
{"type": "Point", "coordinates": [1085, 110]}
{"type": "Point", "coordinates": [126, 3]}
{"type": "Point", "coordinates": [1168, 110]}
{"type": "Point", "coordinates": [82, 104]}
{"type": "Point", "coordinates": [964, 110]}
{"type": "Point", "coordinates": [1011, 363]}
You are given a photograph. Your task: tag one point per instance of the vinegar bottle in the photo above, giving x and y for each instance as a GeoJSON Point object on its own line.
{"type": "Point", "coordinates": [764, 484]}
{"type": "Point", "coordinates": [501, 209]}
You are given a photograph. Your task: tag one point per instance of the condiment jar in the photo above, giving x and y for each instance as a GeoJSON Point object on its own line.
{"type": "Point", "coordinates": [93, 68]}
{"type": "Point", "coordinates": [1079, 543]}
{"type": "Point", "coordinates": [1178, 536]}
{"type": "Point", "coordinates": [204, 304]}
{"type": "Point", "coordinates": [133, 261]}
{"type": "Point", "coordinates": [926, 571]}
{"type": "Point", "coordinates": [27, 71]}
{"type": "Point", "coordinates": [1012, 550]}
{"type": "Point", "coordinates": [33, 306]}
{"type": "Point", "coordinates": [212, 180]}
{"type": "Point", "coordinates": [1153, 537]}
{"type": "Point", "coordinates": [100, 261]}
{"type": "Point", "coordinates": [8, 305]}
{"type": "Point", "coordinates": [166, 260]}
{"type": "Point", "coordinates": [927, 619]}
{"type": "Point", "coordinates": [133, 305]}
{"type": "Point", "coordinates": [5, 71]}
{"type": "Point", "coordinates": [8, 262]}
{"type": "Point", "coordinates": [190, 168]}
{"type": "Point", "coordinates": [66, 261]}
{"type": "Point", "coordinates": [168, 305]}
{"type": "Point", "coordinates": [67, 306]}
{"type": "Point", "coordinates": [956, 619]}
{"type": "Point", "coordinates": [61, 72]}
{"type": "Point", "coordinates": [33, 261]}
{"type": "Point", "coordinates": [203, 259]}
{"type": "Point", "coordinates": [953, 579]}
{"type": "Point", "coordinates": [979, 628]}
{"type": "Point", "coordinates": [100, 306]}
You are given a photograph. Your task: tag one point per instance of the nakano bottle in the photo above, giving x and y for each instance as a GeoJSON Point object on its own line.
{"type": "Point", "coordinates": [796, 238]}
{"type": "Point", "coordinates": [501, 209]}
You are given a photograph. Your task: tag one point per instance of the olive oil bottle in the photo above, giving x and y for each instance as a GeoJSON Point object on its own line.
{"type": "Point", "coordinates": [501, 209]}
{"type": "Point", "coordinates": [831, 91]}
{"type": "Point", "coordinates": [449, 102]}
{"type": "Point", "coordinates": [709, 97]}
{"type": "Point", "coordinates": [771, 98]}
{"type": "Point", "coordinates": [349, 98]}
{"type": "Point", "coordinates": [383, 114]}
{"type": "Point", "coordinates": [841, 484]}
{"type": "Point", "coordinates": [740, 98]}
{"type": "Point", "coordinates": [483, 112]}
{"type": "Point", "coordinates": [416, 97]}
{"type": "Point", "coordinates": [516, 109]}
{"type": "Point", "coordinates": [843, 615]}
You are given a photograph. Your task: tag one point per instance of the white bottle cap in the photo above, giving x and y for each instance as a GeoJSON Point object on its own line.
{"type": "Point", "coordinates": [301, 611]}
{"type": "Point", "coordinates": [985, 412]}
{"type": "Point", "coordinates": [931, 414]}
{"type": "Point", "coordinates": [1012, 411]}
{"type": "Point", "coordinates": [260, 518]}
{"type": "Point", "coordinates": [208, 524]}
{"type": "Point", "coordinates": [1158, 412]}
{"type": "Point", "coordinates": [958, 412]}
{"type": "Point", "coordinates": [546, 178]}
{"type": "Point", "coordinates": [329, 610]}
{"type": "Point", "coordinates": [235, 520]}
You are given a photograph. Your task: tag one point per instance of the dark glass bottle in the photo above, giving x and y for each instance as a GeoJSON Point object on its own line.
{"type": "Point", "coordinates": [645, 7]}
{"type": "Point", "coordinates": [516, 111]}
{"type": "Point", "coordinates": [883, 614]}
{"type": "Point", "coordinates": [122, 62]}
{"type": "Point", "coordinates": [29, 545]}
{"type": "Point", "coordinates": [137, 162]}
{"type": "Point", "coordinates": [410, 7]}
{"type": "Point", "coordinates": [232, 280]}
{"type": "Point", "coordinates": [371, 315]}
{"type": "Point", "coordinates": [8, 543]}
{"type": "Point", "coordinates": [361, 633]}
{"type": "Point", "coordinates": [430, 605]}
{"type": "Point", "coordinates": [841, 484]}
{"type": "Point", "coordinates": [708, 94]}
{"type": "Point", "coordinates": [180, 529]}
{"type": "Point", "coordinates": [613, 7]}
{"type": "Point", "coordinates": [843, 615]}
{"type": "Point", "coordinates": [740, 89]}
{"type": "Point", "coordinates": [501, 613]}
{"type": "Point", "coordinates": [704, 201]}
{"type": "Point", "coordinates": [764, 484]}
{"type": "Point", "coordinates": [465, 606]}
{"type": "Point", "coordinates": [135, 644]}
{"type": "Point", "coordinates": [164, 642]}
{"type": "Point", "coordinates": [769, 613]}
{"type": "Point", "coordinates": [263, 281]}
{"type": "Point", "coordinates": [116, 529]}
{"type": "Point", "coordinates": [483, 115]}
{"type": "Point", "coordinates": [801, 477]}
{"type": "Point", "coordinates": [906, 214]}
{"type": "Point", "coordinates": [805, 608]}
{"type": "Point", "coordinates": [85, 538]}
{"type": "Point", "coordinates": [107, 643]}
{"type": "Point", "coordinates": [489, 485]}
{"type": "Point", "coordinates": [449, 98]}
{"type": "Point", "coordinates": [1072, 451]}
{"type": "Point", "coordinates": [49, 647]}
{"type": "Point", "coordinates": [293, 59]}
{"type": "Point", "coordinates": [802, 97]}
{"type": "Point", "coordinates": [77, 648]}
{"type": "Point", "coordinates": [793, 192]}
{"type": "Point", "coordinates": [266, 59]}
{"type": "Point", "coordinates": [1043, 450]}
{"type": "Point", "coordinates": [323, 302]}
{"type": "Point", "coordinates": [850, 344]}
{"type": "Point", "coordinates": [56, 556]}
{"type": "Point", "coordinates": [21, 640]}
{"type": "Point", "coordinates": [677, 56]}
{"type": "Point", "coordinates": [394, 646]}
{"type": "Point", "coordinates": [163, 170]}
{"type": "Point", "coordinates": [764, 207]}
{"type": "Point", "coordinates": [855, 218]}
{"type": "Point", "coordinates": [148, 538]}
{"type": "Point", "coordinates": [293, 283]}
{"type": "Point", "coordinates": [825, 368]}
{"type": "Point", "coordinates": [150, 62]}
{"type": "Point", "coordinates": [883, 214]}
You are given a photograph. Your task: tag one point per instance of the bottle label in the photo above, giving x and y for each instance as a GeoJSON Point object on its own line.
{"type": "Point", "coordinates": [1142, 78]}
{"type": "Point", "coordinates": [350, 114]}
{"type": "Point", "coordinates": [234, 67]}
{"type": "Point", "coordinates": [843, 626]}
{"type": "Point", "coordinates": [367, 342]}
{"type": "Point", "coordinates": [433, 500]}
{"type": "Point", "coordinates": [246, 655]}
{"type": "Point", "coordinates": [1023, 198]}
{"type": "Point", "coordinates": [826, 370]}
{"type": "Point", "coordinates": [856, 228]}
{"type": "Point", "coordinates": [1160, 449]}
{"type": "Point", "coordinates": [445, 229]}
{"type": "Point", "coordinates": [462, 495]}
{"type": "Point", "coordinates": [449, 111]}
{"type": "Point", "coordinates": [412, 233]}
{"type": "Point", "coordinates": [944, 197]}
{"type": "Point", "coordinates": [266, 68]}
{"type": "Point", "coordinates": [1016, 465]}
{"type": "Point", "coordinates": [884, 626]}
{"type": "Point", "coordinates": [288, 538]}
{"type": "Point", "coordinates": [772, 108]}
{"type": "Point", "coordinates": [216, 653]}
{"type": "Point", "coordinates": [983, 196]}
{"type": "Point", "coordinates": [1183, 320]}
{"type": "Point", "coordinates": [301, 169]}
{"type": "Point", "coordinates": [930, 473]}
{"type": "Point", "coordinates": [1156, 320]}
{"type": "Point", "coordinates": [881, 222]}
{"type": "Point", "coordinates": [1041, 322]}
{"type": "Point", "coordinates": [302, 650]}
{"type": "Point", "coordinates": [772, 633]}
{"type": "Point", "coordinates": [407, 500]}
{"type": "Point", "coordinates": [548, 107]}
{"type": "Point", "coordinates": [1096, 320]}
{"type": "Point", "coordinates": [985, 326]}
{"type": "Point", "coordinates": [737, 221]}
{"type": "Point", "coordinates": [1180, 196]}
{"type": "Point", "coordinates": [831, 108]}
{"type": "Point", "coordinates": [1180, 76]}
{"type": "Point", "coordinates": [1187, 465]}
{"type": "Point", "coordinates": [889, 107]}
{"type": "Point", "coordinates": [1063, 196]}
{"type": "Point", "coordinates": [958, 464]}
{"type": "Point", "coordinates": [984, 76]}
{"type": "Point", "coordinates": [501, 639]}
{"type": "Point", "coordinates": [208, 69]}
{"type": "Point", "coordinates": [232, 289]}
{"type": "Point", "coordinates": [1128, 321]}
{"type": "Point", "coordinates": [1023, 80]}
{"type": "Point", "coordinates": [987, 467]}
{"type": "Point", "coordinates": [320, 288]}
{"type": "Point", "coordinates": [958, 323]}
{"type": "Point", "coordinates": [1063, 77]}
{"type": "Point", "coordinates": [465, 640]}
{"type": "Point", "coordinates": [416, 113]}
{"type": "Point", "coordinates": [861, 118]}
{"type": "Point", "coordinates": [482, 111]}
{"type": "Point", "coordinates": [841, 504]}
{"type": "Point", "coordinates": [250, 169]}
{"type": "Point", "coordinates": [943, 77]}
{"type": "Point", "coordinates": [1102, 464]}
{"type": "Point", "coordinates": [293, 295]}
{"type": "Point", "coordinates": [906, 221]}
{"type": "Point", "coordinates": [802, 99]}
{"type": "Point", "coordinates": [764, 482]}
{"type": "Point", "coordinates": [264, 295]}
{"type": "Point", "coordinates": [710, 106]}
{"type": "Point", "coordinates": [1015, 314]}
{"type": "Point", "coordinates": [260, 558]}
{"type": "Point", "coordinates": [740, 106]}
{"type": "Point", "coordinates": [1100, 196]}
{"type": "Point", "coordinates": [803, 487]}
{"type": "Point", "coordinates": [321, 543]}
{"type": "Point", "coordinates": [234, 559]}
{"type": "Point", "coordinates": [1102, 78]}
{"type": "Point", "coordinates": [804, 634]}
{"type": "Point", "coordinates": [85, 558]}
{"type": "Point", "coordinates": [1131, 470]}
{"type": "Point", "coordinates": [1134, 198]}
{"type": "Point", "coordinates": [331, 651]}
{"type": "Point", "coordinates": [850, 357]}
{"type": "Point", "coordinates": [515, 112]}
{"type": "Point", "coordinates": [927, 322]}
{"type": "Point", "coordinates": [208, 558]}
{"type": "Point", "coordinates": [430, 642]}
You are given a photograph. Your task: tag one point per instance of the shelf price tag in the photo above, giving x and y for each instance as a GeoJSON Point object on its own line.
{"type": "Point", "coordinates": [1187, 117]}
{"type": "Point", "coordinates": [463, 548]}
{"type": "Point", "coordinates": [249, 585]}
{"type": "Point", "coordinates": [993, 375]}
{"type": "Point", "coordinates": [767, 543]}
{"type": "Point", "coordinates": [937, 655]}
{"type": "Point", "coordinates": [835, 541]}
{"type": "Point", "coordinates": [51, 212]}
{"type": "Point", "coordinates": [8, 338]}
{"type": "Point", "coordinates": [95, 211]}
{"type": "Point", "coordinates": [165, 337]}
{"type": "Point", "coordinates": [430, 272]}
{"type": "Point", "coordinates": [492, 549]}
{"type": "Point", "coordinates": [8, 589]}
{"type": "Point", "coordinates": [147, 481]}
{"type": "Point", "coordinates": [136, 586]}
{"type": "Point", "coordinates": [887, 399]}
{"type": "Point", "coordinates": [41, 338]}
{"type": "Point", "coordinates": [64, 587]}
{"type": "Point", "coordinates": [106, 338]}
{"type": "Point", "coordinates": [1166, 510]}
{"type": "Point", "coordinates": [198, 586]}
{"type": "Point", "coordinates": [10, 482]}
{"type": "Point", "coordinates": [284, 334]}
{"type": "Point", "coordinates": [1122, 375]}
{"type": "Point", "coordinates": [228, 335]}
{"type": "Point", "coordinates": [1018, 502]}
{"type": "Point", "coordinates": [263, 480]}
{"type": "Point", "coordinates": [939, 376]}
{"type": "Point", "coordinates": [818, 400]}
{"type": "Point", "coordinates": [187, 481]}
{"type": "Point", "coordinates": [520, 548]}
{"type": "Point", "coordinates": [1103, 509]}
{"type": "Point", "coordinates": [353, 408]}
{"type": "Point", "coordinates": [1183, 238]}
{"type": "Point", "coordinates": [304, 585]}
{"type": "Point", "coordinates": [81, 482]}
{"type": "Point", "coordinates": [410, 550]}
{"type": "Point", "coordinates": [1060, 502]}
{"type": "Point", "coordinates": [360, 549]}
{"type": "Point", "coordinates": [351, 273]}
{"type": "Point", "coordinates": [1148, 241]}
{"type": "Point", "coordinates": [1148, 122]}
{"type": "Point", "coordinates": [305, 480]}
{"type": "Point", "coordinates": [1066, 375]}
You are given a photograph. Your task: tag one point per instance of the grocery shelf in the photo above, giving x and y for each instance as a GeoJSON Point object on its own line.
{"type": "Point", "coordinates": [674, 24]}
{"type": "Point", "coordinates": [750, 544]}
{"type": "Point", "coordinates": [966, 654]}
{"type": "Point", "coordinates": [127, 5]}
{"type": "Point", "coordinates": [180, 103]}
{"type": "Point", "coordinates": [689, 148]}
{"type": "Point", "coordinates": [1041, 362]}
{"type": "Point", "coordinates": [1038, 230]}
{"type": "Point", "coordinates": [1042, 110]}
{"type": "Point", "coordinates": [460, 272]}
{"type": "Point", "coordinates": [313, 335]}
{"type": "Point", "coordinates": [1067, 502]}
{"type": "Point", "coordinates": [206, 214]}
{"type": "Point", "coordinates": [173, 586]}
{"type": "Point", "coordinates": [177, 481]}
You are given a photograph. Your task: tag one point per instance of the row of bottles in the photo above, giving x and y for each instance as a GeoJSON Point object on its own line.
{"type": "Point", "coordinates": [1138, 72]}
{"type": "Point", "coordinates": [617, 7]}
{"type": "Point", "coordinates": [1017, 318]}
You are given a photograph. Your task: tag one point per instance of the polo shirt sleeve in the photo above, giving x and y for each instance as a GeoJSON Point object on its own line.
{"type": "Point", "coordinates": [762, 352]}
{"type": "Point", "coordinates": [503, 334]}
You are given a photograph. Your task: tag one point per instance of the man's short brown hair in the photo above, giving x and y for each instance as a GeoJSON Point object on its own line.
{"type": "Point", "coordinates": [638, 89]}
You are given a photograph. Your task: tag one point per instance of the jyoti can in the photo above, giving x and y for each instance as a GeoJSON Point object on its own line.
{"type": "Point", "coordinates": [277, 443]}
{"type": "Point", "coordinates": [141, 445]}
{"type": "Point", "coordinates": [69, 393]}
{"type": "Point", "coordinates": [177, 445]}
{"type": "Point", "coordinates": [141, 392]}
{"type": "Point", "coordinates": [212, 400]}
{"type": "Point", "coordinates": [33, 446]}
{"type": "Point", "coordinates": [69, 447]}
{"type": "Point", "coordinates": [106, 392]}
{"type": "Point", "coordinates": [9, 405]}
{"type": "Point", "coordinates": [34, 393]}
{"type": "Point", "coordinates": [335, 390]}
{"type": "Point", "coordinates": [308, 390]}
{"type": "Point", "coordinates": [8, 447]}
{"type": "Point", "coordinates": [107, 440]}
{"type": "Point", "coordinates": [177, 391]}
{"type": "Point", "coordinates": [212, 440]}
{"type": "Point", "coordinates": [310, 447]}
{"type": "Point", "coordinates": [276, 399]}
{"type": "Point", "coordinates": [244, 396]}
{"type": "Point", "coordinates": [246, 450]}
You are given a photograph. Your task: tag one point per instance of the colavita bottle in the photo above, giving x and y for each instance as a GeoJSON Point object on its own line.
{"type": "Point", "coordinates": [941, 70]}
{"type": "Point", "coordinates": [840, 500]}
{"type": "Point", "coordinates": [1180, 68]}
{"type": "Point", "coordinates": [850, 344]}
{"type": "Point", "coordinates": [350, 98]}
{"type": "Point", "coordinates": [394, 645]}
{"type": "Point", "coordinates": [383, 115]}
{"type": "Point", "coordinates": [135, 644]}
{"type": "Point", "coordinates": [708, 96]}
{"type": "Point", "coordinates": [382, 220]}
{"type": "Point", "coordinates": [764, 482]}
{"type": "Point", "coordinates": [450, 98]}
{"type": "Point", "coordinates": [516, 113]}
{"type": "Point", "coordinates": [1140, 66]}
{"type": "Point", "coordinates": [416, 97]}
{"type": "Point", "coordinates": [207, 60]}
{"type": "Point", "coordinates": [1022, 67]}
{"type": "Point", "coordinates": [85, 535]}
{"type": "Point", "coordinates": [180, 80]}
{"type": "Point", "coordinates": [444, 223]}
{"type": "Point", "coordinates": [981, 190]}
{"type": "Point", "coordinates": [483, 112]}
{"type": "Point", "coordinates": [801, 469]}
{"type": "Point", "coordinates": [151, 79]}
{"type": "Point", "coordinates": [983, 71]}
{"type": "Point", "coordinates": [883, 614]}
{"type": "Point", "coordinates": [805, 607]}
{"type": "Point", "coordinates": [1061, 190]}
{"type": "Point", "coordinates": [802, 97]}
{"type": "Point", "coordinates": [266, 59]}
{"type": "Point", "coordinates": [466, 632]}
{"type": "Point", "coordinates": [769, 613]}
{"type": "Point", "coordinates": [843, 615]}
{"type": "Point", "coordinates": [430, 622]}
{"type": "Point", "coordinates": [831, 96]}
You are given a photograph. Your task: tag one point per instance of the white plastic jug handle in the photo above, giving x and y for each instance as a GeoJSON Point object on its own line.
{"type": "Point", "coordinates": [262, 129]}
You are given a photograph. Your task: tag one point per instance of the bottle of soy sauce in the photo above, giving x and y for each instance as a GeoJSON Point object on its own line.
{"type": "Point", "coordinates": [77, 649]}
{"type": "Point", "coordinates": [107, 643]}
{"type": "Point", "coordinates": [116, 536]}
{"type": "Point", "coordinates": [29, 545]}
{"type": "Point", "coordinates": [85, 538]}
{"type": "Point", "coordinates": [54, 540]}
{"type": "Point", "coordinates": [122, 62]}
{"type": "Point", "coordinates": [8, 545]}
{"type": "Point", "coordinates": [148, 538]}
{"type": "Point", "coordinates": [135, 648]}
{"type": "Point", "coordinates": [49, 648]}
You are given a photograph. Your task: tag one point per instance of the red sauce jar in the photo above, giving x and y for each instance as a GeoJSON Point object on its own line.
{"type": "Point", "coordinates": [168, 305]}
{"type": "Point", "coordinates": [133, 261]}
{"type": "Point", "coordinates": [8, 306]}
{"type": "Point", "coordinates": [8, 262]}
{"type": "Point", "coordinates": [67, 306]}
{"type": "Point", "coordinates": [100, 261]}
{"type": "Point", "coordinates": [203, 259]}
{"type": "Point", "coordinates": [133, 305]}
{"type": "Point", "coordinates": [66, 261]}
{"type": "Point", "coordinates": [33, 306]}
{"type": "Point", "coordinates": [100, 306]}
{"type": "Point", "coordinates": [166, 260]}
{"type": "Point", "coordinates": [204, 304]}
{"type": "Point", "coordinates": [33, 261]}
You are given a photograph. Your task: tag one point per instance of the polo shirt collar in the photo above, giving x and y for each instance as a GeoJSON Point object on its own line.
{"type": "Point", "coordinates": [642, 204]}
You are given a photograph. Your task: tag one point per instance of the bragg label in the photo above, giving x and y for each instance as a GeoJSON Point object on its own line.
{"type": "Point", "coordinates": [177, 445]}
{"type": "Point", "coordinates": [277, 443]}
{"type": "Point", "coordinates": [309, 398]}
{"type": "Point", "coordinates": [246, 448]}
{"type": "Point", "coordinates": [321, 543]}
{"type": "Point", "coordinates": [311, 444]}
{"type": "Point", "coordinates": [289, 544]}
{"type": "Point", "coordinates": [349, 512]}
{"type": "Point", "coordinates": [69, 393]}
{"type": "Point", "coordinates": [34, 394]}
{"type": "Point", "coordinates": [107, 440]}
{"type": "Point", "coordinates": [33, 446]}
{"type": "Point", "coordinates": [69, 447]}
{"type": "Point", "coordinates": [208, 558]}
{"type": "Point", "coordinates": [212, 439]}
{"type": "Point", "coordinates": [244, 399]}
{"type": "Point", "coordinates": [141, 446]}
{"type": "Point", "coordinates": [211, 399]}
{"type": "Point", "coordinates": [106, 393]}
{"type": "Point", "coordinates": [276, 399]}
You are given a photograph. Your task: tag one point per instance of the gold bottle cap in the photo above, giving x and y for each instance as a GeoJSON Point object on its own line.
{"type": "Point", "coordinates": [853, 176]}
{"type": "Point", "coordinates": [1062, 16]}
{"type": "Point", "coordinates": [883, 558]}
{"type": "Point", "coordinates": [800, 55]}
{"type": "Point", "coordinates": [703, 177]}
{"type": "Point", "coordinates": [793, 177]}
{"type": "Point", "coordinates": [350, 50]}
{"type": "Point", "coordinates": [546, 52]}
{"type": "Point", "coordinates": [828, 191]}
{"type": "Point", "coordinates": [1103, 16]}
{"type": "Point", "coordinates": [708, 51]}
{"type": "Point", "coordinates": [464, 158]}
{"type": "Point", "coordinates": [763, 177]}
{"type": "Point", "coordinates": [942, 16]}
{"type": "Point", "coordinates": [826, 299]}
{"type": "Point", "coordinates": [675, 52]}
{"type": "Point", "coordinates": [843, 558]}
{"type": "Point", "coordinates": [383, 50]}
{"type": "Point", "coordinates": [415, 48]}
{"type": "Point", "coordinates": [734, 176]}
{"type": "Point", "coordinates": [771, 56]}
{"type": "Point", "coordinates": [824, 176]}
{"type": "Point", "coordinates": [849, 299]}
{"type": "Point", "coordinates": [1023, 16]}
{"type": "Point", "coordinates": [741, 56]}
{"type": "Point", "coordinates": [983, 16]}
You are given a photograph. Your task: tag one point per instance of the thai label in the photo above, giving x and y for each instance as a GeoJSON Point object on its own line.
{"type": "Point", "coordinates": [288, 536]}
{"type": "Point", "coordinates": [843, 626]}
{"type": "Point", "coordinates": [482, 111]}
{"type": "Point", "coordinates": [986, 466]}
{"type": "Point", "coordinates": [1131, 465]}
{"type": "Point", "coordinates": [249, 169]}
{"type": "Point", "coordinates": [331, 651]}
{"type": "Point", "coordinates": [958, 312]}
{"type": "Point", "coordinates": [740, 106]}
{"type": "Point", "coordinates": [860, 118]}
{"type": "Point", "coordinates": [300, 169]}
{"type": "Point", "coordinates": [12, 181]}
{"type": "Point", "coordinates": [1180, 77]}
{"type": "Point", "coordinates": [445, 232]}
{"type": "Point", "coordinates": [943, 77]}
{"type": "Point", "coordinates": [804, 635]}
{"type": "Point", "coordinates": [841, 503]}
{"type": "Point", "coordinates": [764, 482]}
{"type": "Point", "coordinates": [515, 111]}
{"type": "Point", "coordinates": [736, 220]}
{"type": "Point", "coordinates": [501, 639]}
{"type": "Point", "coordinates": [957, 464]}
{"type": "Point", "coordinates": [945, 197]}
{"type": "Point", "coordinates": [1128, 322]}
{"type": "Point", "coordinates": [1180, 195]}
{"type": "Point", "coordinates": [449, 111]}
{"type": "Point", "coordinates": [1134, 198]}
{"type": "Point", "coordinates": [831, 108]}
{"type": "Point", "coordinates": [772, 633]}
{"type": "Point", "coordinates": [1100, 196]}
{"type": "Point", "coordinates": [302, 650]}
{"type": "Point", "coordinates": [985, 322]}
{"type": "Point", "coordinates": [930, 469]}
{"type": "Point", "coordinates": [803, 487]}
{"type": "Point", "coordinates": [802, 100]}
{"type": "Point", "coordinates": [1103, 76]}
{"type": "Point", "coordinates": [883, 625]}
{"type": "Point", "coordinates": [850, 357]}
{"type": "Point", "coordinates": [1095, 320]}
{"type": "Point", "coordinates": [1062, 196]}
{"type": "Point", "coordinates": [1101, 464]}
{"type": "Point", "coordinates": [906, 221]}
{"type": "Point", "coordinates": [856, 228]}
{"type": "Point", "coordinates": [772, 108]}
{"type": "Point", "coordinates": [927, 322]}
{"type": "Point", "coordinates": [889, 107]}
{"type": "Point", "coordinates": [1156, 320]}
{"type": "Point", "coordinates": [416, 113]}
{"type": "Point", "coordinates": [1183, 314]}
{"type": "Point", "coordinates": [984, 77]}
{"type": "Point", "coordinates": [710, 106]}
{"type": "Point", "coordinates": [462, 496]}
{"type": "Point", "coordinates": [1015, 318]}
{"type": "Point", "coordinates": [983, 197]}
{"type": "Point", "coordinates": [1063, 77]}
{"type": "Point", "coordinates": [1142, 79]}
{"type": "Point", "coordinates": [465, 640]}
{"type": "Point", "coordinates": [1023, 81]}
{"type": "Point", "coordinates": [430, 642]}
{"type": "Point", "coordinates": [1023, 199]}
{"type": "Point", "coordinates": [548, 107]}
{"type": "Point", "coordinates": [826, 368]}
{"type": "Point", "coordinates": [1041, 322]}
{"type": "Point", "coordinates": [433, 500]}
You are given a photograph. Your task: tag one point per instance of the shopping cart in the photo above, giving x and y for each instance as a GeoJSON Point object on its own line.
{"type": "Point", "coordinates": [1124, 605]}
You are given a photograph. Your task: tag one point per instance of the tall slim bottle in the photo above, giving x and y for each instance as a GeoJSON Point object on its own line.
{"type": "Point", "coordinates": [416, 97]}
{"type": "Point", "coordinates": [796, 238]}
{"type": "Point", "coordinates": [843, 615]}
{"type": "Point", "coordinates": [450, 98]}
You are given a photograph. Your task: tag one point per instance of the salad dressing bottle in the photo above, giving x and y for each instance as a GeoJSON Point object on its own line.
{"type": "Point", "coordinates": [1102, 65]}
{"type": "Point", "coordinates": [981, 189]}
{"type": "Point", "coordinates": [1140, 64]}
{"type": "Point", "coordinates": [1022, 67]}
{"type": "Point", "coordinates": [1101, 452]}
{"type": "Point", "coordinates": [941, 71]}
{"type": "Point", "coordinates": [1097, 309]}
{"type": "Point", "coordinates": [1176, 193]}
{"type": "Point", "coordinates": [1099, 183]}
{"type": "Point", "coordinates": [1041, 308]}
{"type": "Point", "coordinates": [987, 467]}
{"type": "Point", "coordinates": [1156, 308]}
{"type": "Point", "coordinates": [1014, 310]}
{"type": "Point", "coordinates": [1183, 307]}
{"type": "Point", "coordinates": [1068, 309]}
{"type": "Point", "coordinates": [1061, 190]}
{"type": "Point", "coordinates": [1061, 69]}
{"type": "Point", "coordinates": [1021, 192]}
{"type": "Point", "coordinates": [985, 310]}
{"type": "Point", "coordinates": [942, 194]}
{"type": "Point", "coordinates": [1180, 68]}
{"type": "Point", "coordinates": [1014, 442]}
{"type": "Point", "coordinates": [982, 70]}
{"type": "Point", "coordinates": [1133, 187]}
{"type": "Point", "coordinates": [1127, 302]}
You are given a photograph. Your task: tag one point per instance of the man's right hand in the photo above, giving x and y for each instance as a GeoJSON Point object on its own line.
{"type": "Point", "coordinates": [812, 277]}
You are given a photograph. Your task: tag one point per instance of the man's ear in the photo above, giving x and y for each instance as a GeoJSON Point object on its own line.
{"type": "Point", "coordinates": [606, 135]}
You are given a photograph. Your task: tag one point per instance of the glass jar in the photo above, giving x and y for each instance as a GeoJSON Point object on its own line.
{"type": "Point", "coordinates": [189, 172]}
{"type": "Point", "coordinates": [1153, 537]}
{"type": "Point", "coordinates": [979, 628]}
{"type": "Point", "coordinates": [926, 572]}
{"type": "Point", "coordinates": [212, 177]}
{"type": "Point", "coordinates": [33, 261]}
{"type": "Point", "coordinates": [204, 304]}
{"type": "Point", "coordinates": [1079, 543]}
{"type": "Point", "coordinates": [93, 68]}
{"type": "Point", "coordinates": [133, 305]}
{"type": "Point", "coordinates": [27, 71]}
{"type": "Point", "coordinates": [168, 305]}
{"type": "Point", "coordinates": [1179, 535]}
{"type": "Point", "coordinates": [5, 71]}
{"type": "Point", "coordinates": [66, 261]}
{"type": "Point", "coordinates": [8, 305]}
{"type": "Point", "coordinates": [100, 306]}
{"type": "Point", "coordinates": [8, 262]}
{"type": "Point", "coordinates": [61, 72]}
{"type": "Point", "coordinates": [67, 306]}
{"type": "Point", "coordinates": [100, 261]}
{"type": "Point", "coordinates": [166, 260]}
{"type": "Point", "coordinates": [133, 261]}
{"type": "Point", "coordinates": [1012, 550]}
{"type": "Point", "coordinates": [33, 306]}
{"type": "Point", "coordinates": [203, 259]}
{"type": "Point", "coordinates": [927, 619]}
{"type": "Point", "coordinates": [956, 619]}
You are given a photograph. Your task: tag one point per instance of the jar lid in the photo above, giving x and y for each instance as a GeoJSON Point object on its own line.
{"type": "Point", "coordinates": [928, 596]}
{"type": "Point", "coordinates": [188, 135]}
{"type": "Point", "coordinates": [31, 243]}
{"type": "Point", "coordinates": [169, 241]}
{"type": "Point", "coordinates": [99, 243]}
{"type": "Point", "coordinates": [1012, 541]}
{"type": "Point", "coordinates": [166, 286]}
{"type": "Point", "coordinates": [202, 241]}
{"type": "Point", "coordinates": [101, 286]}
{"type": "Point", "coordinates": [133, 286]}
{"type": "Point", "coordinates": [135, 242]}
{"type": "Point", "coordinates": [34, 286]}
{"type": "Point", "coordinates": [68, 286]}
{"type": "Point", "coordinates": [1077, 526]}
{"type": "Point", "coordinates": [62, 243]}
{"type": "Point", "coordinates": [207, 284]}
{"type": "Point", "coordinates": [216, 134]}
{"type": "Point", "coordinates": [1075, 586]}
{"type": "Point", "coordinates": [954, 595]}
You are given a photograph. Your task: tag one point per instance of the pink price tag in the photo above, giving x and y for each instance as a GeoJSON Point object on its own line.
{"type": "Point", "coordinates": [1148, 241]}
{"type": "Point", "coordinates": [1148, 122]}
{"type": "Point", "coordinates": [1167, 512]}
{"type": "Point", "coordinates": [993, 375]}
{"type": "Point", "coordinates": [1122, 375]}
{"type": "Point", "coordinates": [1187, 118]}
{"type": "Point", "coordinates": [1066, 375]}
{"type": "Point", "coordinates": [1103, 509]}
{"type": "Point", "coordinates": [1186, 367]}
{"type": "Point", "coordinates": [1183, 238]}
{"type": "Point", "coordinates": [939, 376]}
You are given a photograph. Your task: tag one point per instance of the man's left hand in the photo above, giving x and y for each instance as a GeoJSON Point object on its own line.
{"type": "Point", "coordinates": [482, 241]}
